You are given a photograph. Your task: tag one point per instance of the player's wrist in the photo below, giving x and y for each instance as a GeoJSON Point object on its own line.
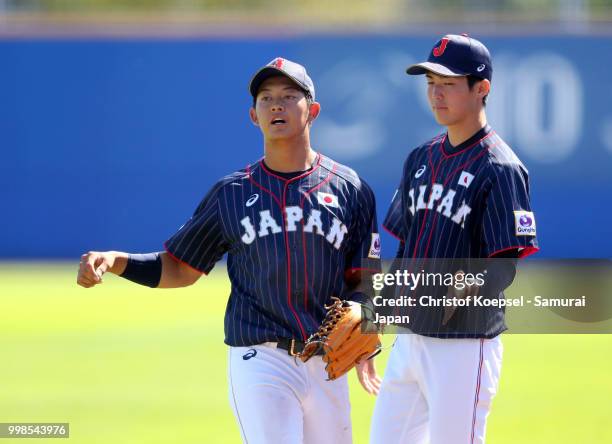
{"type": "Point", "coordinates": [117, 262]}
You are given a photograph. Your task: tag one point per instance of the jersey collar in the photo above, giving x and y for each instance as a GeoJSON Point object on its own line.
{"type": "Point", "coordinates": [448, 150]}
{"type": "Point", "coordinates": [308, 172]}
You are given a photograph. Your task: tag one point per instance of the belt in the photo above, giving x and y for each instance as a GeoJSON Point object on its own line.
{"type": "Point", "coordinates": [295, 346]}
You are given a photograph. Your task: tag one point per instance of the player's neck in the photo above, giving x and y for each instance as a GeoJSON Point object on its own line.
{"type": "Point", "coordinates": [462, 131]}
{"type": "Point", "coordinates": [287, 156]}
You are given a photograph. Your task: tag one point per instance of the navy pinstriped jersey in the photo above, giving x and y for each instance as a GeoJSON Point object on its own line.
{"type": "Point", "coordinates": [469, 201]}
{"type": "Point", "coordinates": [290, 244]}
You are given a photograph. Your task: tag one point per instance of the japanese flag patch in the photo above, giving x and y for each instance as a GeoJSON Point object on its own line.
{"type": "Point", "coordinates": [524, 223]}
{"type": "Point", "coordinates": [327, 199]}
{"type": "Point", "coordinates": [465, 179]}
{"type": "Point", "coordinates": [374, 252]}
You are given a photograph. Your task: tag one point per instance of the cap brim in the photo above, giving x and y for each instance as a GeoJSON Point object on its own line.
{"type": "Point", "coordinates": [425, 67]}
{"type": "Point", "coordinates": [265, 73]}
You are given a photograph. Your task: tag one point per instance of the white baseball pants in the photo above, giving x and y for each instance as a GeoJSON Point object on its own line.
{"type": "Point", "coordinates": [437, 391]}
{"type": "Point", "coordinates": [279, 399]}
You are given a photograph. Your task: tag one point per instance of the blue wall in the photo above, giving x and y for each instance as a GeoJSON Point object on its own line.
{"type": "Point", "coordinates": [111, 144]}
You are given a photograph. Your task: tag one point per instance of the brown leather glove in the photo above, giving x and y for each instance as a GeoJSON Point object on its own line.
{"type": "Point", "coordinates": [340, 336]}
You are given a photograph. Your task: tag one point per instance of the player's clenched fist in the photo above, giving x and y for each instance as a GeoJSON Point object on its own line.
{"type": "Point", "coordinates": [93, 265]}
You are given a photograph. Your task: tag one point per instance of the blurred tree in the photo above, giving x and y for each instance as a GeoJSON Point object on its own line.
{"type": "Point", "coordinates": [340, 11]}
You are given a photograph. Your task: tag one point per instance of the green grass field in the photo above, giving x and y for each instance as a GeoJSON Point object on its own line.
{"type": "Point", "coordinates": [125, 364]}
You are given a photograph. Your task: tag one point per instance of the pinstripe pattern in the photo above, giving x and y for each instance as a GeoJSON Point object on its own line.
{"type": "Point", "coordinates": [477, 395]}
{"type": "Point", "coordinates": [459, 203]}
{"type": "Point", "coordinates": [283, 268]}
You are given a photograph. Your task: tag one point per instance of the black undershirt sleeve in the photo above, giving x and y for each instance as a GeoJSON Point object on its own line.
{"type": "Point", "coordinates": [501, 272]}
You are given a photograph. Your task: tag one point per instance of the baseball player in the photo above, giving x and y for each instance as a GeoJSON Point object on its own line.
{"type": "Point", "coordinates": [295, 226]}
{"type": "Point", "coordinates": [463, 194]}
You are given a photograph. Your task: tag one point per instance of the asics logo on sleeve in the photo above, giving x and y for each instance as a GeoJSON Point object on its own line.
{"type": "Point", "coordinates": [420, 172]}
{"type": "Point", "coordinates": [252, 200]}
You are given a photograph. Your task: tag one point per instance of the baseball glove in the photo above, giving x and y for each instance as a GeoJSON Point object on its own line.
{"type": "Point", "coordinates": [340, 336]}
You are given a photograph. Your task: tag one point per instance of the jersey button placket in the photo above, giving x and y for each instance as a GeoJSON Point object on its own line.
{"type": "Point", "coordinates": [289, 199]}
{"type": "Point", "coordinates": [291, 202]}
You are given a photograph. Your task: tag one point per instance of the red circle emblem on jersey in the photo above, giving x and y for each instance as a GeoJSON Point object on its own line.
{"type": "Point", "coordinates": [328, 199]}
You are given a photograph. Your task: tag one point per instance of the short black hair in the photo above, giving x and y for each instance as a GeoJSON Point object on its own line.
{"type": "Point", "coordinates": [472, 80]}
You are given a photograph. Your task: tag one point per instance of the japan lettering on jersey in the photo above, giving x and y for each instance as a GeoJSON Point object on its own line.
{"type": "Point", "coordinates": [472, 202]}
{"type": "Point", "coordinates": [290, 243]}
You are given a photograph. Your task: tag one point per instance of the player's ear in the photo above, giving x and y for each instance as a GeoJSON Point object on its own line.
{"type": "Point", "coordinates": [253, 116]}
{"type": "Point", "coordinates": [484, 87]}
{"type": "Point", "coordinates": [313, 111]}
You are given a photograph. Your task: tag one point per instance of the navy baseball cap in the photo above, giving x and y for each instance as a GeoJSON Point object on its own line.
{"type": "Point", "coordinates": [283, 67]}
{"type": "Point", "coordinates": [456, 56]}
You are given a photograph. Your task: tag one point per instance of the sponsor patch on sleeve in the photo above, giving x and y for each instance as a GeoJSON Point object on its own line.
{"type": "Point", "coordinates": [524, 223]}
{"type": "Point", "coordinates": [375, 247]}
